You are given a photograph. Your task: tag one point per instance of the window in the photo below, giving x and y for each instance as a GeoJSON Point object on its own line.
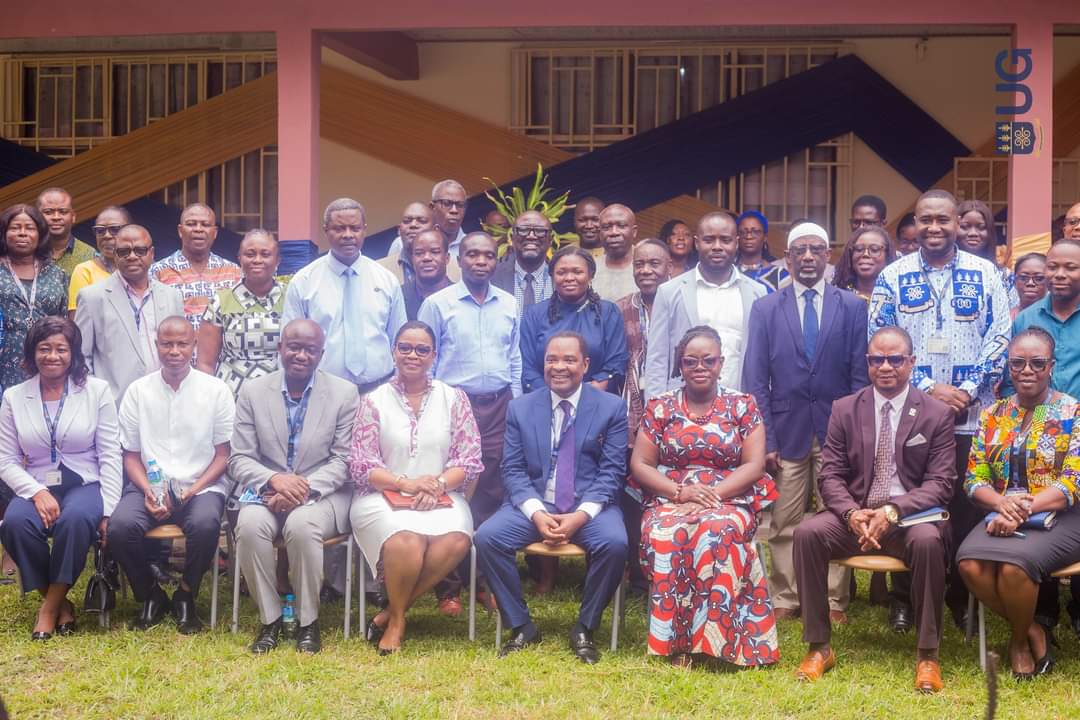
{"type": "Point", "coordinates": [987, 179]}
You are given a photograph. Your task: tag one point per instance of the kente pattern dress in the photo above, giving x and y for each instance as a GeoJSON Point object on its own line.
{"type": "Point", "coordinates": [50, 298]}
{"type": "Point", "coordinates": [708, 588]}
{"type": "Point", "coordinates": [250, 332]}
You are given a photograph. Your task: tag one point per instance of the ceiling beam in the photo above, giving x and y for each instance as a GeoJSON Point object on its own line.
{"type": "Point", "coordinates": [394, 54]}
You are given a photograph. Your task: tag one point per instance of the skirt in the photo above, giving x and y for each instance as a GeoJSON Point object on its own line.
{"type": "Point", "coordinates": [1039, 553]}
{"type": "Point", "coordinates": [374, 522]}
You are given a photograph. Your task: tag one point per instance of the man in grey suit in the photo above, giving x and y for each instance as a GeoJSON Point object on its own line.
{"type": "Point", "coordinates": [715, 293]}
{"type": "Point", "coordinates": [290, 448]}
{"type": "Point", "coordinates": [118, 317]}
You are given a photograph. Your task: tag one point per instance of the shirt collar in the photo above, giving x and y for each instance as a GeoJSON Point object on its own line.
{"type": "Point", "coordinates": [801, 289]}
{"type": "Point", "coordinates": [307, 388]}
{"type": "Point", "coordinates": [896, 402]}
{"type": "Point", "coordinates": [574, 399]}
{"type": "Point", "coordinates": [338, 267]}
{"type": "Point", "coordinates": [183, 383]}
{"type": "Point", "coordinates": [928, 268]}
{"type": "Point", "coordinates": [730, 282]}
{"type": "Point", "coordinates": [521, 272]}
{"type": "Point", "coordinates": [132, 291]}
{"type": "Point", "coordinates": [1045, 306]}
{"type": "Point", "coordinates": [461, 292]}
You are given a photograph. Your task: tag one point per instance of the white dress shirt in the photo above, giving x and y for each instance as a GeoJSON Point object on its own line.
{"type": "Point", "coordinates": [721, 308]}
{"type": "Point", "coordinates": [530, 506]}
{"type": "Point", "coordinates": [897, 403]}
{"type": "Point", "coordinates": [800, 299]}
{"type": "Point", "coordinates": [178, 428]}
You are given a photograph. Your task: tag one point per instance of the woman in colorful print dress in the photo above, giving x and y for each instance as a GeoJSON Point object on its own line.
{"type": "Point", "coordinates": [701, 457]}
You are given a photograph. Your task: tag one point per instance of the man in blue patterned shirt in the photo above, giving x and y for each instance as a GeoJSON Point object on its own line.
{"type": "Point", "coordinates": [956, 310]}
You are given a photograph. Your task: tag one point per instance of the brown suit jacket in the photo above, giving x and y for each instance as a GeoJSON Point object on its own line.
{"type": "Point", "coordinates": [927, 469]}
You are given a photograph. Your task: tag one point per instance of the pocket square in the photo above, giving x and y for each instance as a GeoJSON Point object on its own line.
{"type": "Point", "coordinates": [916, 440]}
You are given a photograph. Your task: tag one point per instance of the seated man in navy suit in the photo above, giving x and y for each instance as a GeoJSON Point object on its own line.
{"type": "Point", "coordinates": [563, 466]}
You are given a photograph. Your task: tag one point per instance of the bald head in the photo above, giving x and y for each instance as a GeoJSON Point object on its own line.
{"type": "Point", "coordinates": [416, 218]}
{"type": "Point", "coordinates": [175, 346]}
{"type": "Point", "coordinates": [587, 222]}
{"type": "Point", "coordinates": [618, 229]}
{"type": "Point", "coordinates": [301, 350]}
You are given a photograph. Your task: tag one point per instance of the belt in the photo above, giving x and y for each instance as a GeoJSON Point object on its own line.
{"type": "Point", "coordinates": [487, 398]}
{"type": "Point", "coordinates": [365, 388]}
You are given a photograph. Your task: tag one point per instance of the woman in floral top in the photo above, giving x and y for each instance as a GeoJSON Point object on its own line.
{"type": "Point", "coordinates": [241, 328]}
{"type": "Point", "coordinates": [417, 437]}
{"type": "Point", "coordinates": [1025, 460]}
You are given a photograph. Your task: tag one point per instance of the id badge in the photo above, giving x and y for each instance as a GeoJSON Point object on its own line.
{"type": "Point", "coordinates": [53, 478]}
{"type": "Point", "coordinates": [938, 345]}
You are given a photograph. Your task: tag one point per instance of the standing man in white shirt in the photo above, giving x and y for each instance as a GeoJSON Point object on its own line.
{"type": "Point", "coordinates": [357, 303]}
{"type": "Point", "coordinates": [716, 294]}
{"type": "Point", "coordinates": [181, 419]}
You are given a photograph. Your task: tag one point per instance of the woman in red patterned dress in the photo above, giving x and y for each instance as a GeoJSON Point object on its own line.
{"type": "Point", "coordinates": [701, 456]}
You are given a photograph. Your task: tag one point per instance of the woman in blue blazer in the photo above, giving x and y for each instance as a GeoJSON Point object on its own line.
{"type": "Point", "coordinates": [60, 455]}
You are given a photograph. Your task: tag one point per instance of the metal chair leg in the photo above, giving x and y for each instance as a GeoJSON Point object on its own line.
{"type": "Point", "coordinates": [362, 574]}
{"type": "Point", "coordinates": [498, 629]}
{"type": "Point", "coordinates": [214, 587]}
{"type": "Point", "coordinates": [348, 585]}
{"type": "Point", "coordinates": [236, 596]}
{"type": "Point", "coordinates": [969, 627]}
{"type": "Point", "coordinates": [616, 613]}
{"type": "Point", "coordinates": [472, 593]}
{"type": "Point", "coordinates": [982, 637]}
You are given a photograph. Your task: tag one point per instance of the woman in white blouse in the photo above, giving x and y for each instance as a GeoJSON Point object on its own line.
{"type": "Point", "coordinates": [60, 455]}
{"type": "Point", "coordinates": [414, 439]}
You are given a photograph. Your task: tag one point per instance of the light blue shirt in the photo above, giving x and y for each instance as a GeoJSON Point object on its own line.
{"type": "Point", "coordinates": [478, 346]}
{"type": "Point", "coordinates": [317, 293]}
{"type": "Point", "coordinates": [1066, 334]}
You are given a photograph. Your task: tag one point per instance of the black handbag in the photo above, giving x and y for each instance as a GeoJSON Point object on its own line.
{"type": "Point", "coordinates": [101, 590]}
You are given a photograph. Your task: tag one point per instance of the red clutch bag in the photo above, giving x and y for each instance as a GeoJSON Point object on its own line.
{"type": "Point", "coordinates": [399, 501]}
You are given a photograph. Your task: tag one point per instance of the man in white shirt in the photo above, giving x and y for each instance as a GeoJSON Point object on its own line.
{"type": "Point", "coordinates": [181, 420]}
{"type": "Point", "coordinates": [615, 270]}
{"type": "Point", "coordinates": [357, 303]}
{"type": "Point", "coordinates": [716, 294]}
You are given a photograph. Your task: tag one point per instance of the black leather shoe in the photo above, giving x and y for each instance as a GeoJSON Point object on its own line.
{"type": "Point", "coordinates": [582, 645]}
{"type": "Point", "coordinates": [153, 610]}
{"type": "Point", "coordinates": [40, 636]}
{"type": "Point", "coordinates": [187, 620]}
{"type": "Point", "coordinates": [373, 633]}
{"type": "Point", "coordinates": [66, 629]}
{"type": "Point", "coordinates": [521, 640]}
{"type": "Point", "coordinates": [308, 640]}
{"type": "Point", "coordinates": [899, 617]}
{"type": "Point", "coordinates": [267, 639]}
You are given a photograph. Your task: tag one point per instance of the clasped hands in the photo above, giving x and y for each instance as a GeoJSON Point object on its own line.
{"type": "Point", "coordinates": [701, 495]}
{"type": "Point", "coordinates": [558, 528]}
{"type": "Point", "coordinates": [1013, 510]}
{"type": "Point", "coordinates": [869, 526]}
{"type": "Point", "coordinates": [425, 490]}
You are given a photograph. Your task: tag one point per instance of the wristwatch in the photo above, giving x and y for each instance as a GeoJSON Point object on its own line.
{"type": "Point", "coordinates": [442, 484]}
{"type": "Point", "coordinates": [892, 514]}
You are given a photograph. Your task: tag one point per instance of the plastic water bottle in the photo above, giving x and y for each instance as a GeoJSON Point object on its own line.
{"type": "Point", "coordinates": [157, 481]}
{"type": "Point", "coordinates": [289, 624]}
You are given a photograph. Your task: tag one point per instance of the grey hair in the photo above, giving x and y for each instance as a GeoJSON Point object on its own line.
{"type": "Point", "coordinates": [443, 185]}
{"type": "Point", "coordinates": [340, 205]}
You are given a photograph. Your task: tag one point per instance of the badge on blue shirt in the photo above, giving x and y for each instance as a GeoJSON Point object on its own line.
{"type": "Point", "coordinates": [915, 295]}
{"type": "Point", "coordinates": [967, 289]}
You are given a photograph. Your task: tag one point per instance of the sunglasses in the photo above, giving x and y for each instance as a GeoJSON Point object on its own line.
{"type": "Point", "coordinates": [709, 362]}
{"type": "Point", "coordinates": [421, 351]}
{"type": "Point", "coordinates": [536, 232]}
{"type": "Point", "coordinates": [893, 360]}
{"type": "Point", "coordinates": [125, 251]}
{"type": "Point", "coordinates": [101, 230]}
{"type": "Point", "coordinates": [1038, 364]}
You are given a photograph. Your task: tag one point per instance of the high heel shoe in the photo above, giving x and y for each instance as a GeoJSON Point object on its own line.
{"type": "Point", "coordinates": [373, 633]}
{"type": "Point", "coordinates": [40, 636]}
{"type": "Point", "coordinates": [1045, 664]}
{"type": "Point", "coordinates": [66, 629]}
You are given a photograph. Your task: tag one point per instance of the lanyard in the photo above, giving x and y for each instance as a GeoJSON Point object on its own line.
{"type": "Point", "coordinates": [32, 296]}
{"type": "Point", "coordinates": [296, 423]}
{"type": "Point", "coordinates": [53, 423]}
{"type": "Point", "coordinates": [555, 444]}
{"type": "Point", "coordinates": [939, 295]}
{"type": "Point", "coordinates": [137, 311]}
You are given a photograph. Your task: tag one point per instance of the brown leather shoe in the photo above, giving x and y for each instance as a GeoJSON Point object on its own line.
{"type": "Point", "coordinates": [786, 613]}
{"type": "Point", "coordinates": [928, 676]}
{"type": "Point", "coordinates": [838, 617]}
{"type": "Point", "coordinates": [814, 665]}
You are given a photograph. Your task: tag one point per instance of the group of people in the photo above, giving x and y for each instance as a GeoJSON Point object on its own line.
{"type": "Point", "coordinates": [644, 399]}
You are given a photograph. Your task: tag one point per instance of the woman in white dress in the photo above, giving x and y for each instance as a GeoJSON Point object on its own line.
{"type": "Point", "coordinates": [414, 438]}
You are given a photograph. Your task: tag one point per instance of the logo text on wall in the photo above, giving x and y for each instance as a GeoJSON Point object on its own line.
{"type": "Point", "coordinates": [1011, 136]}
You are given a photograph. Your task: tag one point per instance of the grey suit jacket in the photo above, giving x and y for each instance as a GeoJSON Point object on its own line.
{"type": "Point", "coordinates": [110, 340]}
{"type": "Point", "coordinates": [674, 312]}
{"type": "Point", "coordinates": [260, 441]}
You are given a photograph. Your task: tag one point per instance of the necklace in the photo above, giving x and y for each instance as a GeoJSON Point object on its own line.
{"type": "Point", "coordinates": [699, 419]}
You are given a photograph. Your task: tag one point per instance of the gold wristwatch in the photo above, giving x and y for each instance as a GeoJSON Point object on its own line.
{"type": "Point", "coordinates": [892, 514]}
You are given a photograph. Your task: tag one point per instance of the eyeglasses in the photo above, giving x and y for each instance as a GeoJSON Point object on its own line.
{"type": "Point", "coordinates": [857, 223]}
{"type": "Point", "coordinates": [101, 230]}
{"type": "Point", "coordinates": [1026, 279]}
{"type": "Point", "coordinates": [873, 251]}
{"type": "Point", "coordinates": [139, 251]}
{"type": "Point", "coordinates": [530, 231]}
{"type": "Point", "coordinates": [450, 204]}
{"type": "Point", "coordinates": [709, 362]}
{"type": "Point", "coordinates": [893, 360]}
{"type": "Point", "coordinates": [818, 251]}
{"type": "Point", "coordinates": [1038, 364]}
{"type": "Point", "coordinates": [751, 232]}
{"type": "Point", "coordinates": [421, 351]}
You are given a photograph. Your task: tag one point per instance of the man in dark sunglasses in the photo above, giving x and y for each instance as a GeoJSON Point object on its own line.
{"type": "Point", "coordinates": [118, 317]}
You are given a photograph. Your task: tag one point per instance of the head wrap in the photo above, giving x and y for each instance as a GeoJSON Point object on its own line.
{"type": "Point", "coordinates": [757, 216]}
{"type": "Point", "coordinates": [807, 229]}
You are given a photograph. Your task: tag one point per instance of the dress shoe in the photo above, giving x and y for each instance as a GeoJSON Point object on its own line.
{"type": "Point", "coordinates": [308, 640]}
{"type": "Point", "coordinates": [838, 617]}
{"type": "Point", "coordinates": [521, 640]}
{"type": "Point", "coordinates": [153, 610]}
{"type": "Point", "coordinates": [373, 634]}
{"type": "Point", "coordinates": [40, 636]}
{"type": "Point", "coordinates": [267, 639]}
{"type": "Point", "coordinates": [1045, 664]}
{"type": "Point", "coordinates": [66, 629]}
{"type": "Point", "coordinates": [582, 645]}
{"type": "Point", "coordinates": [450, 606]}
{"type": "Point", "coordinates": [899, 616]}
{"type": "Point", "coordinates": [187, 620]}
{"type": "Point", "coordinates": [815, 664]}
{"type": "Point", "coordinates": [928, 676]}
{"type": "Point", "coordinates": [786, 613]}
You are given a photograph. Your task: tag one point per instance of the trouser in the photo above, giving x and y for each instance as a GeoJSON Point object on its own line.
{"type": "Point", "coordinates": [199, 518]}
{"type": "Point", "coordinates": [508, 531]}
{"type": "Point", "coordinates": [795, 482]}
{"type": "Point", "coordinates": [303, 529]}
{"type": "Point", "coordinates": [27, 539]}
{"type": "Point", "coordinates": [490, 413]}
{"type": "Point", "coordinates": [923, 548]}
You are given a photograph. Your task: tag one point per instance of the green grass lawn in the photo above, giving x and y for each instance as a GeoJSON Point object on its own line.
{"type": "Point", "coordinates": [439, 674]}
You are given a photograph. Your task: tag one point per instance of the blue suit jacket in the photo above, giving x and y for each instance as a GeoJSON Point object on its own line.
{"type": "Point", "coordinates": [600, 437]}
{"type": "Point", "coordinates": [794, 394]}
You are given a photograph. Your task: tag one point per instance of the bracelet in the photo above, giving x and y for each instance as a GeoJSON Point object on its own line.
{"type": "Point", "coordinates": [398, 479]}
{"type": "Point", "coordinates": [442, 483]}
{"type": "Point", "coordinates": [846, 517]}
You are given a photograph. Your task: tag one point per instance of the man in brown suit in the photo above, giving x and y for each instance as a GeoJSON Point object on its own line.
{"type": "Point", "coordinates": [871, 476]}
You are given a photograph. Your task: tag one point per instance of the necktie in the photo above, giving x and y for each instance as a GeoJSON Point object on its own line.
{"type": "Point", "coordinates": [810, 323]}
{"type": "Point", "coordinates": [528, 293]}
{"type": "Point", "coordinates": [565, 466]}
{"type": "Point", "coordinates": [883, 461]}
{"type": "Point", "coordinates": [354, 348]}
